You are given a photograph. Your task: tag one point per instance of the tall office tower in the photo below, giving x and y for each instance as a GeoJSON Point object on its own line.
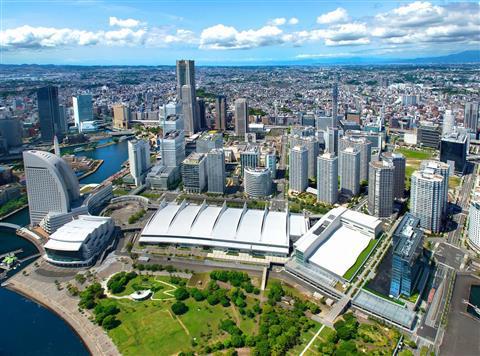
{"type": "Point", "coordinates": [448, 122]}
{"type": "Point", "coordinates": [11, 131]}
{"type": "Point", "coordinates": [121, 116]}
{"type": "Point", "coordinates": [52, 186]}
{"type": "Point", "coordinates": [257, 182]}
{"type": "Point", "coordinates": [185, 76]}
{"type": "Point", "coordinates": [221, 112]}
{"type": "Point", "coordinates": [380, 189]}
{"type": "Point", "coordinates": [427, 195]}
{"type": "Point", "coordinates": [216, 171]}
{"type": "Point", "coordinates": [250, 158]}
{"type": "Point", "coordinates": [189, 109]}
{"type": "Point", "coordinates": [173, 148]}
{"type": "Point", "coordinates": [271, 161]}
{"type": "Point", "coordinates": [399, 164]}
{"type": "Point", "coordinates": [202, 119]}
{"type": "Point", "coordinates": [82, 109]}
{"type": "Point", "coordinates": [209, 141]}
{"type": "Point", "coordinates": [350, 171]}
{"type": "Point", "coordinates": [139, 160]}
{"type": "Point", "coordinates": [170, 109]}
{"type": "Point", "coordinates": [63, 121]}
{"type": "Point", "coordinates": [241, 117]}
{"type": "Point", "coordinates": [474, 221]}
{"type": "Point", "coordinates": [407, 265]}
{"type": "Point", "coordinates": [49, 113]}
{"type": "Point", "coordinates": [454, 149]}
{"type": "Point", "coordinates": [365, 147]}
{"type": "Point", "coordinates": [331, 143]}
{"type": "Point", "coordinates": [470, 118]}
{"type": "Point", "coordinates": [327, 184]}
{"type": "Point", "coordinates": [442, 169]}
{"type": "Point", "coordinates": [194, 173]}
{"type": "Point", "coordinates": [335, 104]}
{"type": "Point", "coordinates": [298, 172]}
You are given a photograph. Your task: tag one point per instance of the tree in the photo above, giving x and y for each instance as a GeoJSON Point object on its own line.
{"type": "Point", "coordinates": [275, 293]}
{"type": "Point", "coordinates": [110, 322]}
{"type": "Point", "coordinates": [181, 293]}
{"type": "Point", "coordinates": [179, 308]}
{"type": "Point", "coordinates": [197, 294]}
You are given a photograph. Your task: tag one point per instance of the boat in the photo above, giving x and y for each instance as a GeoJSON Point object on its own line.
{"type": "Point", "coordinates": [79, 149]}
{"type": "Point", "coordinates": [122, 138]}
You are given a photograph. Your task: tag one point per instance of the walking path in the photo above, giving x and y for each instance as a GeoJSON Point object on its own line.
{"type": "Point", "coordinates": [311, 341]}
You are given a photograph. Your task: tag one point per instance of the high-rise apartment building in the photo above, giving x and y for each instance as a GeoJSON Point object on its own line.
{"type": "Point", "coordinates": [350, 171]}
{"type": "Point", "coordinates": [257, 182]}
{"type": "Point", "coordinates": [194, 173]}
{"type": "Point", "coordinates": [216, 171]}
{"type": "Point", "coordinates": [52, 186]}
{"type": "Point", "coordinates": [399, 165]}
{"type": "Point", "coordinates": [221, 112]}
{"type": "Point", "coordinates": [427, 195]}
{"type": "Point", "coordinates": [49, 113]}
{"type": "Point", "coordinates": [250, 157]}
{"type": "Point", "coordinates": [327, 184]}
{"type": "Point", "coordinates": [271, 161]}
{"type": "Point", "coordinates": [313, 147]}
{"type": "Point", "coordinates": [380, 189]}
{"type": "Point", "coordinates": [82, 109]}
{"type": "Point", "coordinates": [407, 263]}
{"type": "Point", "coordinates": [331, 142]}
{"type": "Point", "coordinates": [139, 160]}
{"type": "Point", "coordinates": [364, 146]}
{"type": "Point", "coordinates": [121, 116]}
{"type": "Point", "coordinates": [241, 117]}
{"type": "Point", "coordinates": [442, 169]}
{"type": "Point", "coordinates": [298, 172]}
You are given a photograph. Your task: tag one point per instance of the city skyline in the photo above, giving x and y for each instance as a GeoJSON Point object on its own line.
{"type": "Point", "coordinates": [244, 32]}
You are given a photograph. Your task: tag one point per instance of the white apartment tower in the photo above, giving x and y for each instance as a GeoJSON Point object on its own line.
{"type": "Point", "coordinates": [350, 171]}
{"type": "Point", "coordinates": [327, 184]}
{"type": "Point", "coordinates": [139, 160]}
{"type": "Point", "coordinates": [298, 169]}
{"type": "Point", "coordinates": [380, 189]}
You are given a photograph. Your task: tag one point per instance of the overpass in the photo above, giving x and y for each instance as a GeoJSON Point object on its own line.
{"type": "Point", "coordinates": [10, 226]}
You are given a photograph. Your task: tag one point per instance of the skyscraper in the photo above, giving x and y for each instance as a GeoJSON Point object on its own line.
{"type": "Point", "coordinates": [241, 117]}
{"type": "Point", "coordinates": [52, 186]}
{"type": "Point", "coordinates": [312, 145]}
{"type": "Point", "coordinates": [442, 169]}
{"type": "Point", "coordinates": [49, 113]}
{"type": "Point", "coordinates": [257, 182]}
{"type": "Point", "coordinates": [250, 157]}
{"type": "Point", "coordinates": [474, 221]}
{"type": "Point", "coordinates": [427, 196]}
{"type": "Point", "coordinates": [216, 171]}
{"type": "Point", "coordinates": [331, 143]}
{"type": "Point", "coordinates": [139, 160]}
{"type": "Point", "coordinates": [448, 122]}
{"type": "Point", "coordinates": [363, 145]}
{"type": "Point", "coordinates": [202, 119]}
{"type": "Point", "coordinates": [407, 257]}
{"type": "Point", "coordinates": [194, 173]}
{"type": "Point", "coordinates": [189, 109]}
{"type": "Point", "coordinates": [335, 103]}
{"type": "Point", "coordinates": [350, 171]}
{"type": "Point", "coordinates": [380, 189]}
{"type": "Point", "coordinates": [327, 184]}
{"type": "Point", "coordinates": [399, 164]}
{"type": "Point", "coordinates": [173, 148]}
{"type": "Point", "coordinates": [121, 116]}
{"type": "Point", "coordinates": [82, 109]}
{"type": "Point", "coordinates": [454, 148]}
{"type": "Point", "coordinates": [220, 112]}
{"type": "Point", "coordinates": [470, 119]}
{"type": "Point", "coordinates": [298, 173]}
{"type": "Point", "coordinates": [271, 162]}
{"type": "Point", "coordinates": [186, 93]}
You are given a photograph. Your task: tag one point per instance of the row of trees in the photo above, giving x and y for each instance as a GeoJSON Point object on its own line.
{"type": "Point", "coordinates": [236, 279]}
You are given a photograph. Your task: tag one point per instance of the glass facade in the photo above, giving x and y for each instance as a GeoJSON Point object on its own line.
{"type": "Point", "coordinates": [456, 152]}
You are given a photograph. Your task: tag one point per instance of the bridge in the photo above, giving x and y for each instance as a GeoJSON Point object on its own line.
{"type": "Point", "coordinates": [10, 226]}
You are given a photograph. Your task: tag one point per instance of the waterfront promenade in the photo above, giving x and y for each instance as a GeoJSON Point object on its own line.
{"type": "Point", "coordinates": [42, 290]}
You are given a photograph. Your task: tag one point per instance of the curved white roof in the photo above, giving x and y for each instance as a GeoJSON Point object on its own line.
{"type": "Point", "coordinates": [247, 229]}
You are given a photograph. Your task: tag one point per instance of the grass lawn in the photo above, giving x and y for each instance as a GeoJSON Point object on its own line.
{"type": "Point", "coordinates": [360, 260]}
{"type": "Point", "coordinates": [305, 338]}
{"type": "Point", "coordinates": [454, 182]}
{"type": "Point", "coordinates": [199, 280]}
{"type": "Point", "coordinates": [141, 282]}
{"type": "Point", "coordinates": [146, 327]}
{"type": "Point", "coordinates": [413, 160]}
{"type": "Point", "coordinates": [375, 337]}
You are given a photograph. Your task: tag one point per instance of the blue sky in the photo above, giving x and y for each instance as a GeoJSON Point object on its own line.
{"type": "Point", "coordinates": [215, 32]}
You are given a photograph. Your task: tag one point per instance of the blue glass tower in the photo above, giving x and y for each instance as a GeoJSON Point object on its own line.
{"type": "Point", "coordinates": [407, 253]}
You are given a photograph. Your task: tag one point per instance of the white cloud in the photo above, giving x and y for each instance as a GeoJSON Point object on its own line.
{"type": "Point", "coordinates": [278, 21]}
{"type": "Point", "coordinates": [228, 37]}
{"type": "Point", "coordinates": [335, 16]}
{"type": "Point", "coordinates": [130, 23]}
{"type": "Point", "coordinates": [293, 21]}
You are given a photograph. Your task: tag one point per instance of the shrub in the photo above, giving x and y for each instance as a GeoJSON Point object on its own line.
{"type": "Point", "coordinates": [179, 308]}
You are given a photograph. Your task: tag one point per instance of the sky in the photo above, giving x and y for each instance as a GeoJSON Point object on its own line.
{"type": "Point", "coordinates": [222, 32]}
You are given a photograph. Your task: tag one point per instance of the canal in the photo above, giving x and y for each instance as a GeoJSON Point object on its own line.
{"type": "Point", "coordinates": [27, 328]}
